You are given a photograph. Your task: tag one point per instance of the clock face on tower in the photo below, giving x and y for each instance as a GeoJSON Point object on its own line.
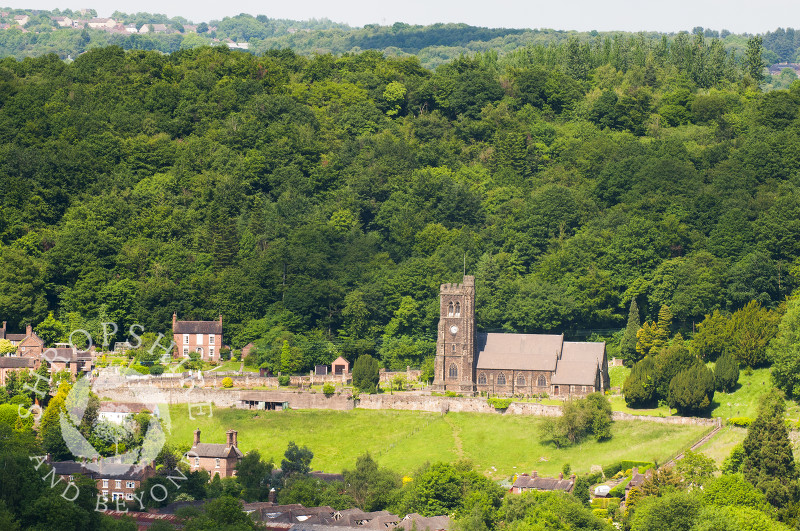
{"type": "Point", "coordinates": [453, 329]}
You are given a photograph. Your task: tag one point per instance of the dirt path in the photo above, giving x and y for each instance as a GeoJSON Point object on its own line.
{"type": "Point", "coordinates": [456, 437]}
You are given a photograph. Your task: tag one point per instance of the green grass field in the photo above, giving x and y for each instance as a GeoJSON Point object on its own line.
{"type": "Point", "coordinates": [403, 440]}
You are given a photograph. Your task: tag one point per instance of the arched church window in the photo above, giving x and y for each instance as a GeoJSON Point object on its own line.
{"type": "Point", "coordinates": [458, 309]}
{"type": "Point", "coordinates": [450, 310]}
{"type": "Point", "coordinates": [453, 371]}
{"type": "Point", "coordinates": [501, 379]}
{"type": "Point", "coordinates": [482, 379]}
{"type": "Point", "coordinates": [542, 381]}
{"type": "Point", "coordinates": [521, 380]}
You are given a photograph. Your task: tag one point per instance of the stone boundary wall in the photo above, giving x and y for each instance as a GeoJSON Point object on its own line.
{"type": "Point", "coordinates": [344, 402]}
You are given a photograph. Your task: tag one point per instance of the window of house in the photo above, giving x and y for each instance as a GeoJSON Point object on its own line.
{"type": "Point", "coordinates": [71, 478]}
{"type": "Point", "coordinates": [520, 380]}
{"type": "Point", "coordinates": [453, 371]}
{"type": "Point", "coordinates": [105, 494]}
{"type": "Point", "coordinates": [105, 483]}
{"type": "Point", "coordinates": [542, 381]}
{"type": "Point", "coordinates": [210, 339]}
{"type": "Point", "coordinates": [117, 483]}
{"type": "Point", "coordinates": [450, 310]}
{"type": "Point", "coordinates": [196, 461]}
{"type": "Point", "coordinates": [185, 339]}
{"type": "Point", "coordinates": [128, 495]}
{"type": "Point", "coordinates": [482, 379]}
{"type": "Point", "coordinates": [185, 351]}
{"type": "Point", "coordinates": [501, 379]}
{"type": "Point", "coordinates": [210, 352]}
{"type": "Point", "coordinates": [130, 485]}
{"type": "Point", "coordinates": [217, 462]}
{"type": "Point", "coordinates": [199, 339]}
{"type": "Point", "coordinates": [458, 309]}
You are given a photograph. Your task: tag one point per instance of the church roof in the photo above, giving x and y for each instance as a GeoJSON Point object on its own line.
{"type": "Point", "coordinates": [583, 352]}
{"type": "Point", "coordinates": [575, 373]}
{"type": "Point", "coordinates": [525, 352]}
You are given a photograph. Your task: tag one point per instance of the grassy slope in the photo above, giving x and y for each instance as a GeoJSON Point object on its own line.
{"type": "Point", "coordinates": [508, 443]}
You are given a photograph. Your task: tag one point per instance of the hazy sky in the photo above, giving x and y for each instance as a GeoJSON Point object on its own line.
{"type": "Point", "coordinates": [675, 15]}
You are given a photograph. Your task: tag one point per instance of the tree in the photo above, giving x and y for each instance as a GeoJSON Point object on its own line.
{"type": "Point", "coordinates": [371, 487]}
{"type": "Point", "coordinates": [366, 374]}
{"type": "Point", "coordinates": [51, 330]}
{"type": "Point", "coordinates": [754, 62]}
{"type": "Point", "coordinates": [639, 387]}
{"type": "Point", "coordinates": [581, 417]}
{"type": "Point", "coordinates": [784, 351]}
{"type": "Point", "coordinates": [627, 345]}
{"type": "Point", "coordinates": [695, 468]}
{"type": "Point", "coordinates": [751, 329]}
{"type": "Point", "coordinates": [769, 461]}
{"type": "Point", "coordinates": [712, 337]}
{"type": "Point", "coordinates": [50, 427]}
{"type": "Point", "coordinates": [692, 390]}
{"type": "Point", "coordinates": [581, 490]}
{"type": "Point", "coordinates": [726, 373]}
{"type": "Point", "coordinates": [297, 461]}
{"type": "Point", "coordinates": [7, 347]}
{"type": "Point", "coordinates": [676, 511]}
{"type": "Point", "coordinates": [254, 474]}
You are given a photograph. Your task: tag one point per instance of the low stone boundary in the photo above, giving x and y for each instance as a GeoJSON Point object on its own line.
{"type": "Point", "coordinates": [344, 402]}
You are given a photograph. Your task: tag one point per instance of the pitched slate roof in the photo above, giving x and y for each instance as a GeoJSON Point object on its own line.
{"type": "Point", "coordinates": [432, 523]}
{"type": "Point", "coordinates": [215, 450]}
{"type": "Point", "coordinates": [583, 351]}
{"type": "Point", "coordinates": [579, 363]}
{"type": "Point", "coordinates": [15, 362]}
{"type": "Point", "coordinates": [15, 337]}
{"type": "Point", "coordinates": [531, 352]}
{"type": "Point", "coordinates": [197, 327]}
{"type": "Point", "coordinates": [524, 481]}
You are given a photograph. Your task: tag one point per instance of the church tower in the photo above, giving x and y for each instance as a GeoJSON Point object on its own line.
{"type": "Point", "coordinates": [455, 345]}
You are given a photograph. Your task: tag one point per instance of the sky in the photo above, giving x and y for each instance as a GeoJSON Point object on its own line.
{"type": "Point", "coordinates": [738, 16]}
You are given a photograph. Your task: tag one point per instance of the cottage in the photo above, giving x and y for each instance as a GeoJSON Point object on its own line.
{"type": "Point", "coordinates": [216, 459]}
{"type": "Point", "coordinates": [21, 19]}
{"type": "Point", "coordinates": [63, 22]}
{"type": "Point", "coordinates": [637, 480]}
{"type": "Point", "coordinates": [119, 412]}
{"type": "Point", "coordinates": [468, 361]}
{"type": "Point", "coordinates": [203, 337]}
{"type": "Point", "coordinates": [102, 23]}
{"type": "Point", "coordinates": [526, 483]}
{"type": "Point", "coordinates": [28, 344]}
{"type": "Point", "coordinates": [115, 481]}
{"type": "Point", "coordinates": [63, 357]}
{"type": "Point", "coordinates": [15, 364]}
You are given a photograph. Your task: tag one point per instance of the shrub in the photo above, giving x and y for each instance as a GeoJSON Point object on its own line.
{"type": "Point", "coordinates": [141, 369]}
{"type": "Point", "coordinates": [227, 382]}
{"type": "Point", "coordinates": [499, 403]}
{"type": "Point", "coordinates": [366, 374]}
{"type": "Point", "coordinates": [157, 369]}
{"type": "Point", "coordinates": [284, 380]}
{"type": "Point", "coordinates": [225, 353]}
{"type": "Point", "coordinates": [451, 394]}
{"type": "Point", "coordinates": [328, 389]}
{"type": "Point", "coordinates": [741, 422]}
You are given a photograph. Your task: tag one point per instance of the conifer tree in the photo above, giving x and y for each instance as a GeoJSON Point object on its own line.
{"type": "Point", "coordinates": [726, 373]}
{"type": "Point", "coordinates": [769, 462]}
{"type": "Point", "coordinates": [627, 346]}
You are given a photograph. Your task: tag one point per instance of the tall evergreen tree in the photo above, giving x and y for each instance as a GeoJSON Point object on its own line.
{"type": "Point", "coordinates": [726, 373]}
{"type": "Point", "coordinates": [754, 63]}
{"type": "Point", "coordinates": [769, 462]}
{"type": "Point", "coordinates": [627, 346]}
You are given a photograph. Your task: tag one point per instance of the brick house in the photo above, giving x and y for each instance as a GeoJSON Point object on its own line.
{"type": "Point", "coordinates": [468, 361]}
{"type": "Point", "coordinates": [15, 364]}
{"type": "Point", "coordinates": [65, 358]}
{"type": "Point", "coordinates": [114, 480]}
{"type": "Point", "coordinates": [527, 483]}
{"type": "Point", "coordinates": [203, 337]}
{"type": "Point", "coordinates": [28, 344]}
{"type": "Point", "coordinates": [216, 459]}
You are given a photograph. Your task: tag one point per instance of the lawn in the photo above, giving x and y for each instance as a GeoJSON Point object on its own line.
{"type": "Point", "coordinates": [498, 445]}
{"type": "Point", "coordinates": [743, 401]}
{"type": "Point", "coordinates": [720, 446]}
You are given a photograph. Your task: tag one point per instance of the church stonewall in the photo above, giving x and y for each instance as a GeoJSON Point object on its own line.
{"type": "Point", "coordinates": [470, 362]}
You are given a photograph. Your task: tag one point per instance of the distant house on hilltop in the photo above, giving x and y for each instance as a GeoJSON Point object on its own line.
{"type": "Point", "coordinates": [777, 68]}
{"type": "Point", "coordinates": [102, 23]}
{"type": "Point", "coordinates": [526, 483]}
{"type": "Point", "coordinates": [63, 22]}
{"type": "Point", "coordinates": [203, 337]}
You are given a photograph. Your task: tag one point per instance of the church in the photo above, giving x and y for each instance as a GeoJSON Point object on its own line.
{"type": "Point", "coordinates": [471, 362]}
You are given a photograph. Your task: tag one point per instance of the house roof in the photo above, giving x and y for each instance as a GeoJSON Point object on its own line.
{"type": "Point", "coordinates": [15, 362]}
{"type": "Point", "coordinates": [104, 469]}
{"type": "Point", "coordinates": [64, 355]}
{"type": "Point", "coordinates": [432, 523]}
{"type": "Point", "coordinates": [532, 352]}
{"type": "Point", "coordinates": [340, 361]}
{"type": "Point", "coordinates": [575, 373]}
{"type": "Point", "coordinates": [197, 327]}
{"type": "Point", "coordinates": [524, 481]}
{"type": "Point", "coordinates": [15, 337]}
{"type": "Point", "coordinates": [216, 450]}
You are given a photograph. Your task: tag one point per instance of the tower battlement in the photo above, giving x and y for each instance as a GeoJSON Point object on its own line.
{"type": "Point", "coordinates": [458, 288]}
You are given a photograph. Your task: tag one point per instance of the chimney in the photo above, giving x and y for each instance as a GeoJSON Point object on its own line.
{"type": "Point", "coordinates": [534, 474]}
{"type": "Point", "coordinates": [29, 330]}
{"type": "Point", "coordinates": [271, 495]}
{"type": "Point", "coordinates": [174, 320]}
{"type": "Point", "coordinates": [4, 325]}
{"type": "Point", "coordinates": [230, 433]}
{"type": "Point", "coordinates": [235, 438]}
{"type": "Point", "coordinates": [220, 319]}
{"type": "Point", "coordinates": [634, 471]}
{"type": "Point", "coordinates": [560, 475]}
{"type": "Point", "coordinates": [196, 437]}
{"type": "Point", "coordinates": [48, 458]}
{"type": "Point", "coordinates": [572, 477]}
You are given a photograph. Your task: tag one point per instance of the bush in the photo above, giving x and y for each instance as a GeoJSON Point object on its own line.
{"type": "Point", "coordinates": [613, 468]}
{"type": "Point", "coordinates": [451, 394]}
{"type": "Point", "coordinates": [328, 389]}
{"type": "Point", "coordinates": [741, 422]}
{"type": "Point", "coordinates": [692, 390]}
{"type": "Point", "coordinates": [157, 369]}
{"type": "Point", "coordinates": [227, 382]}
{"type": "Point", "coordinates": [225, 353]}
{"type": "Point", "coordinates": [141, 369]}
{"type": "Point", "coordinates": [499, 403]}
{"type": "Point", "coordinates": [284, 380]}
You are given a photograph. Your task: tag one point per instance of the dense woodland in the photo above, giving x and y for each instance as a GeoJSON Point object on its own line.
{"type": "Point", "coordinates": [318, 203]}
